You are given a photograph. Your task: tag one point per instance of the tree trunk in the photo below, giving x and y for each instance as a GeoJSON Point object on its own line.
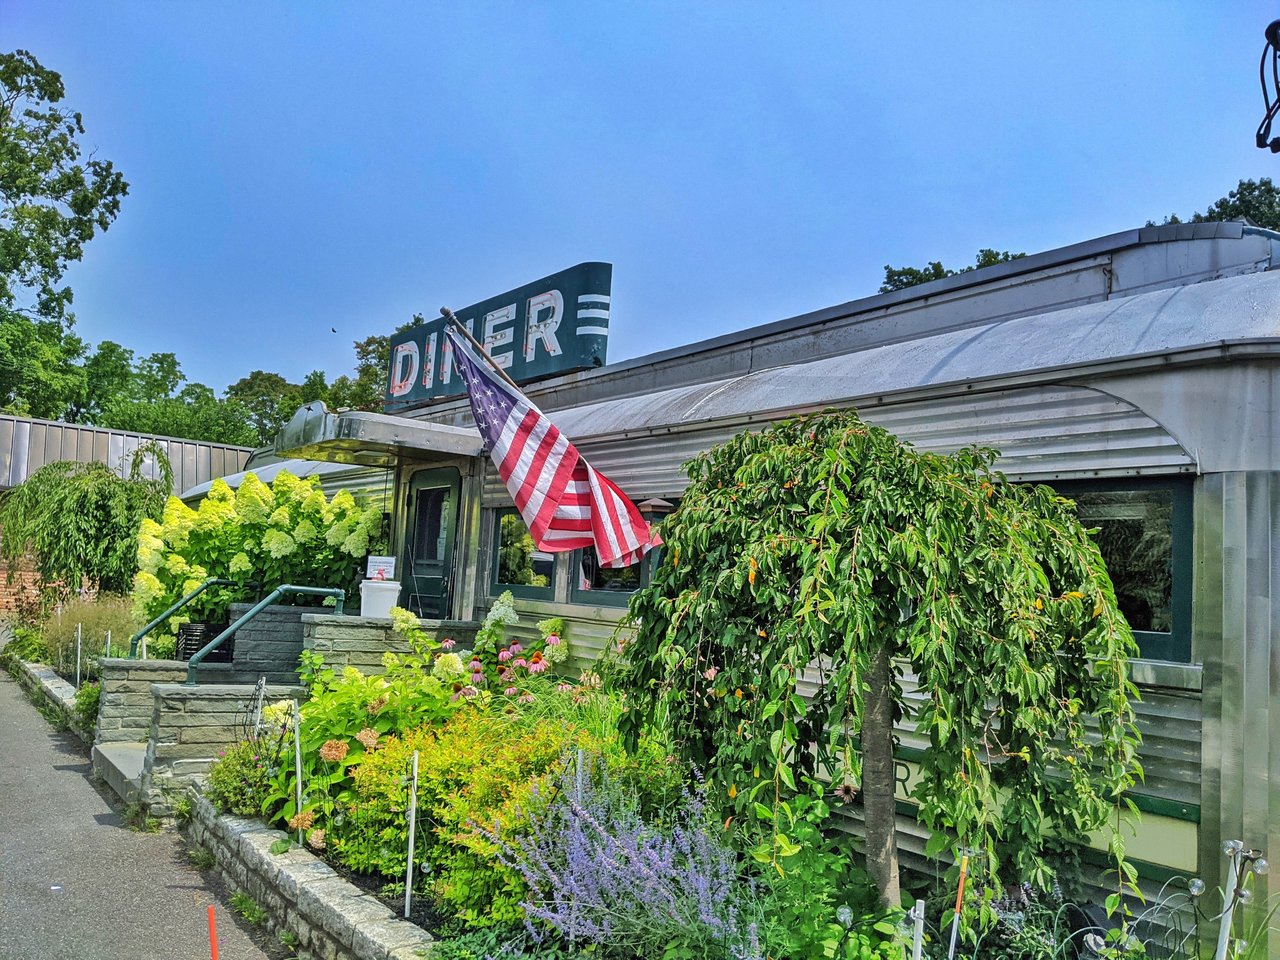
{"type": "Point", "coordinates": [877, 778]}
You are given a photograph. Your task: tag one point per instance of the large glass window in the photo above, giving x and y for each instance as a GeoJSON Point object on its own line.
{"type": "Point", "coordinates": [1144, 534]}
{"type": "Point", "coordinates": [593, 583]}
{"type": "Point", "coordinates": [518, 566]}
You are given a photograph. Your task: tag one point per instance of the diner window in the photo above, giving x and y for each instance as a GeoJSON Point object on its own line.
{"type": "Point", "coordinates": [1144, 535]}
{"type": "Point", "coordinates": [613, 586]}
{"type": "Point", "coordinates": [518, 565]}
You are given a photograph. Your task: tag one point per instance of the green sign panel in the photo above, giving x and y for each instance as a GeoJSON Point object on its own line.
{"type": "Point", "coordinates": [543, 329]}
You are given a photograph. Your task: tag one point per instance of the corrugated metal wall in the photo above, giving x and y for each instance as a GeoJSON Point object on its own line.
{"type": "Point", "coordinates": [27, 445]}
{"type": "Point", "coordinates": [1043, 433]}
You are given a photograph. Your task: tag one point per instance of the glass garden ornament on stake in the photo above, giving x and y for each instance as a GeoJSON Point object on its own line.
{"type": "Point", "coordinates": [413, 818]}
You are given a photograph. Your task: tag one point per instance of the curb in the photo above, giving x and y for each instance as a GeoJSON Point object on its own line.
{"type": "Point", "coordinates": [42, 680]}
{"type": "Point", "coordinates": [331, 918]}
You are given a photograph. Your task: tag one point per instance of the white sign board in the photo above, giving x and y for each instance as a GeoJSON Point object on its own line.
{"type": "Point", "coordinates": [381, 568]}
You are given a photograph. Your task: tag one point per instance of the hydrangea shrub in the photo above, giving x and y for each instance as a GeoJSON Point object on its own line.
{"type": "Point", "coordinates": [259, 536]}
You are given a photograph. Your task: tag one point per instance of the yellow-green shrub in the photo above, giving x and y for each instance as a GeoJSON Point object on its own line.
{"type": "Point", "coordinates": [258, 536]}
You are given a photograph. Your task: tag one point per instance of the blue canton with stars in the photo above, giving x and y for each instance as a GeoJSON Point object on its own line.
{"type": "Point", "coordinates": [491, 404]}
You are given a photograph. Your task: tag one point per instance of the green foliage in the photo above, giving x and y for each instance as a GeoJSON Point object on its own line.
{"type": "Point", "coordinates": [243, 776]}
{"type": "Point", "coordinates": [106, 612]}
{"type": "Point", "coordinates": [515, 553]}
{"type": "Point", "coordinates": [259, 536]}
{"type": "Point", "coordinates": [347, 715]}
{"type": "Point", "coordinates": [87, 700]}
{"type": "Point", "coordinates": [248, 908]}
{"type": "Point", "coordinates": [27, 645]}
{"type": "Point", "coordinates": [900, 278]}
{"type": "Point", "coordinates": [270, 400]}
{"type": "Point", "coordinates": [823, 542]}
{"type": "Point", "coordinates": [52, 202]}
{"type": "Point", "coordinates": [515, 943]}
{"type": "Point", "coordinates": [817, 902]}
{"type": "Point", "coordinates": [1257, 200]}
{"type": "Point", "coordinates": [80, 520]}
{"type": "Point", "coordinates": [202, 858]}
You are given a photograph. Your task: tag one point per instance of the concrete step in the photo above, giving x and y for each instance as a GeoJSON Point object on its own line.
{"type": "Point", "coordinates": [120, 765]}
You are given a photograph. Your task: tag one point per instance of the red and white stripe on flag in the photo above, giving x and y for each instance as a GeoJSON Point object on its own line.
{"type": "Point", "coordinates": [565, 503]}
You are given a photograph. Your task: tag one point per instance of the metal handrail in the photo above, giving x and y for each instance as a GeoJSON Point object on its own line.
{"type": "Point", "coordinates": [212, 582]}
{"type": "Point", "coordinates": [339, 595]}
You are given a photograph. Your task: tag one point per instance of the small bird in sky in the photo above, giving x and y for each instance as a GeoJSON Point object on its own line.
{"type": "Point", "coordinates": [333, 329]}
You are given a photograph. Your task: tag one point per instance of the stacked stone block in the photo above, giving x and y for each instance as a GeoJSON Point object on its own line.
{"type": "Point", "coordinates": [332, 919]}
{"type": "Point", "coordinates": [126, 707]}
{"type": "Point", "coordinates": [268, 645]}
{"type": "Point", "coordinates": [360, 642]}
{"type": "Point", "coordinates": [189, 727]}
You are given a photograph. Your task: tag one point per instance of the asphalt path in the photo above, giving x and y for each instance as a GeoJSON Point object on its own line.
{"type": "Point", "coordinates": [75, 882]}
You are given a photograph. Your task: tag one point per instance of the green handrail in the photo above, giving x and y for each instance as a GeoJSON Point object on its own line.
{"type": "Point", "coordinates": [257, 608]}
{"type": "Point", "coordinates": [212, 582]}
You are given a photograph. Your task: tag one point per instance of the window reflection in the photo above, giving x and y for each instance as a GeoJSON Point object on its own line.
{"type": "Point", "coordinates": [1135, 536]}
{"type": "Point", "coordinates": [519, 563]}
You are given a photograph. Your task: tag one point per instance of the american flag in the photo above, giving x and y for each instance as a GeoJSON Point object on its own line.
{"type": "Point", "coordinates": [564, 501]}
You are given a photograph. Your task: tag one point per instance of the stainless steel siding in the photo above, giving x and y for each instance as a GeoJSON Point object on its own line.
{"type": "Point", "coordinates": [1042, 433]}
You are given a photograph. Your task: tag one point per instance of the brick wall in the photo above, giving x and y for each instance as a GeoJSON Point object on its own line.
{"type": "Point", "coordinates": [24, 584]}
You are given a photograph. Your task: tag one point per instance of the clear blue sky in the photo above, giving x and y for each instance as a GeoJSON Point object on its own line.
{"type": "Point", "coordinates": [296, 167]}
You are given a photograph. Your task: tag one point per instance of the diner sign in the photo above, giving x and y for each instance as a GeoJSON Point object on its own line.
{"type": "Point", "coordinates": [543, 329]}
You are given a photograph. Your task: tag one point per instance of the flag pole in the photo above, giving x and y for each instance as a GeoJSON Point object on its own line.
{"type": "Point", "coordinates": [450, 318]}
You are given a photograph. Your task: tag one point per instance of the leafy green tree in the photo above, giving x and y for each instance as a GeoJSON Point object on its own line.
{"type": "Point", "coordinates": [824, 555]}
{"type": "Point", "coordinates": [80, 520]}
{"type": "Point", "coordinates": [270, 400]}
{"type": "Point", "coordinates": [1257, 200]}
{"type": "Point", "coordinates": [194, 414]}
{"type": "Point", "coordinates": [108, 376]}
{"type": "Point", "coordinates": [899, 278]}
{"type": "Point", "coordinates": [52, 202]}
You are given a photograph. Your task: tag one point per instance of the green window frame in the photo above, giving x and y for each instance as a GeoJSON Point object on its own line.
{"type": "Point", "coordinates": [1161, 626]}
{"type": "Point", "coordinates": [603, 596]}
{"type": "Point", "coordinates": [540, 564]}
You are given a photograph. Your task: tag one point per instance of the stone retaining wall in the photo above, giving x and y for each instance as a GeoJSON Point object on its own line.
{"type": "Point", "coordinates": [126, 707]}
{"type": "Point", "coordinates": [189, 727]}
{"type": "Point", "coordinates": [332, 919]}
{"type": "Point", "coordinates": [41, 680]}
{"type": "Point", "coordinates": [360, 642]}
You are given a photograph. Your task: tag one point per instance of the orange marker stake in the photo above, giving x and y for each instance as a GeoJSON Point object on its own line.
{"type": "Point", "coordinates": [213, 935]}
{"type": "Point", "coordinates": [955, 924]}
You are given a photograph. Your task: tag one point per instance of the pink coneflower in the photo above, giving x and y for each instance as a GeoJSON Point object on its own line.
{"type": "Point", "coordinates": [520, 663]}
{"type": "Point", "coordinates": [553, 640]}
{"type": "Point", "coordinates": [477, 678]}
{"type": "Point", "coordinates": [475, 665]}
{"type": "Point", "coordinates": [469, 692]}
{"type": "Point", "coordinates": [564, 688]}
{"type": "Point", "coordinates": [537, 664]}
{"type": "Point", "coordinates": [527, 698]}
{"type": "Point", "coordinates": [845, 792]}
{"type": "Point", "coordinates": [447, 643]}
{"type": "Point", "coordinates": [511, 691]}
{"type": "Point", "coordinates": [504, 655]}
{"type": "Point", "coordinates": [515, 647]}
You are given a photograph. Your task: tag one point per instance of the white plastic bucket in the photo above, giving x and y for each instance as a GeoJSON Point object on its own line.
{"type": "Point", "coordinates": [377, 597]}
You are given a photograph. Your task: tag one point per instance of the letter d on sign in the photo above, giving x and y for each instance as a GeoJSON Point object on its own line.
{"type": "Point", "coordinates": [404, 368]}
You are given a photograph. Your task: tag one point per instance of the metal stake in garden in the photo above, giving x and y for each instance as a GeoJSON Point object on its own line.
{"type": "Point", "coordinates": [78, 656]}
{"type": "Point", "coordinates": [413, 819]}
{"type": "Point", "coordinates": [107, 652]}
{"type": "Point", "coordinates": [917, 929]}
{"type": "Point", "coordinates": [297, 763]}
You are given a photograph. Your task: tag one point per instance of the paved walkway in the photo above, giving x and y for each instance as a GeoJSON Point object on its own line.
{"type": "Point", "coordinates": [75, 882]}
